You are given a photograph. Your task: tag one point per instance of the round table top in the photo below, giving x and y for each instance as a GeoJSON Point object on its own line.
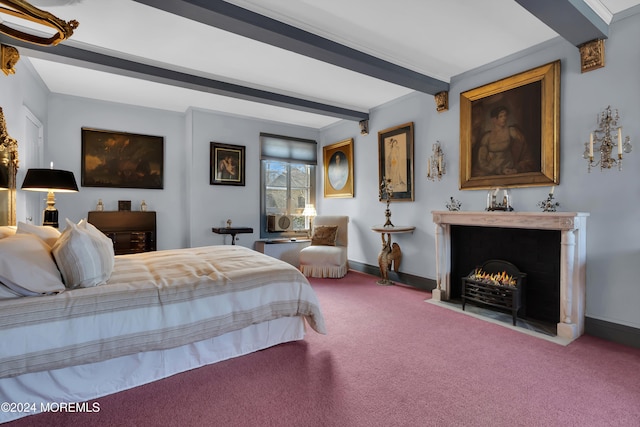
{"type": "Point", "coordinates": [393, 229]}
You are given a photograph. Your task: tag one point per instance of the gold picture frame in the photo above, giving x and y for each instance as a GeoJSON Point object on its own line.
{"type": "Point", "coordinates": [395, 161]}
{"type": "Point", "coordinates": [338, 169]}
{"type": "Point", "coordinates": [510, 131]}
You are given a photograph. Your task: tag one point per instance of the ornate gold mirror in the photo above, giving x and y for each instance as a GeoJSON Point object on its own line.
{"type": "Point", "coordinates": [8, 170]}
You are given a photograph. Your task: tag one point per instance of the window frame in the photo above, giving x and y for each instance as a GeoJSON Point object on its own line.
{"type": "Point", "coordinates": [290, 151]}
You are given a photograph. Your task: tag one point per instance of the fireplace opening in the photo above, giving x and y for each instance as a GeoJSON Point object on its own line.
{"type": "Point", "coordinates": [497, 284]}
{"type": "Point", "coordinates": [535, 252]}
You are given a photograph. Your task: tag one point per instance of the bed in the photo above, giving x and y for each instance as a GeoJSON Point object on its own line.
{"type": "Point", "coordinates": [157, 314]}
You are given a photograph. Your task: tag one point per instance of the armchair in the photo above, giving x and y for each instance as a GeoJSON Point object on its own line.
{"type": "Point", "coordinates": [326, 260]}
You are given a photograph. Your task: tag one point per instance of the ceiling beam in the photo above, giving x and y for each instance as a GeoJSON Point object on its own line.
{"type": "Point", "coordinates": [66, 54]}
{"type": "Point", "coordinates": [574, 20]}
{"type": "Point", "coordinates": [234, 19]}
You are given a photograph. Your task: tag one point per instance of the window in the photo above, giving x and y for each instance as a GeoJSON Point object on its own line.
{"type": "Point", "coordinates": [288, 171]}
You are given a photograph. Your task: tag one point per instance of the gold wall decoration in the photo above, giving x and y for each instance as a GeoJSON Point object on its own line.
{"type": "Point", "coordinates": [8, 169]}
{"type": "Point", "coordinates": [442, 101]}
{"type": "Point", "coordinates": [9, 56]}
{"type": "Point", "coordinates": [591, 55]}
{"type": "Point", "coordinates": [23, 10]}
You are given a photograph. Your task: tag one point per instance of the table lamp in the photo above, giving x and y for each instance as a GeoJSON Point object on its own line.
{"type": "Point", "coordinates": [309, 212]}
{"type": "Point", "coordinates": [50, 180]}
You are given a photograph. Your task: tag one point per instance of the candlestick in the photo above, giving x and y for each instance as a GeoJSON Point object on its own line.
{"type": "Point", "coordinates": [553, 187]}
{"type": "Point", "coordinates": [591, 144]}
{"type": "Point", "coordinates": [620, 140]}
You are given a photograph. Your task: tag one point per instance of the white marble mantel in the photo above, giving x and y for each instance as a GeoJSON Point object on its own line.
{"type": "Point", "coordinates": [572, 226]}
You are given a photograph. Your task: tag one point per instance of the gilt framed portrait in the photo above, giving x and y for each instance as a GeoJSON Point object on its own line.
{"type": "Point", "coordinates": [338, 169]}
{"type": "Point", "coordinates": [510, 130]}
{"type": "Point", "coordinates": [395, 161]}
{"type": "Point", "coordinates": [227, 164]}
{"type": "Point", "coordinates": [121, 159]}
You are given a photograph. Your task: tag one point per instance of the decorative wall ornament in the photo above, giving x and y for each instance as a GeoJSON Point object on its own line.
{"type": "Point", "coordinates": [23, 10]}
{"type": "Point", "coordinates": [364, 127]}
{"type": "Point", "coordinates": [591, 55]}
{"type": "Point", "coordinates": [442, 101]}
{"type": "Point", "coordinates": [9, 57]}
{"type": "Point", "coordinates": [607, 123]}
{"type": "Point", "coordinates": [436, 164]}
{"type": "Point", "coordinates": [8, 170]}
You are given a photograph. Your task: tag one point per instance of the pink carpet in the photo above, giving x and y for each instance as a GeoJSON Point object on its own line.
{"type": "Point", "coordinates": [390, 359]}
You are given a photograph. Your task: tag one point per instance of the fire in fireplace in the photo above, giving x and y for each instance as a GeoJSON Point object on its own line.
{"type": "Point", "coordinates": [498, 284]}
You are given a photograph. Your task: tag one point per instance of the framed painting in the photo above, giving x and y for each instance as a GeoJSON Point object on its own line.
{"type": "Point", "coordinates": [227, 164]}
{"type": "Point", "coordinates": [510, 130]}
{"type": "Point", "coordinates": [338, 169]}
{"type": "Point", "coordinates": [395, 161]}
{"type": "Point", "coordinates": [122, 160]}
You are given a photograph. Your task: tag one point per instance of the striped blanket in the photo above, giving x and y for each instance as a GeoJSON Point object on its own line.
{"type": "Point", "coordinates": [153, 300]}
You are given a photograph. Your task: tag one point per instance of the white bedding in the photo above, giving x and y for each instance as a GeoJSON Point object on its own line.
{"type": "Point", "coordinates": [160, 313]}
{"type": "Point", "coordinates": [153, 301]}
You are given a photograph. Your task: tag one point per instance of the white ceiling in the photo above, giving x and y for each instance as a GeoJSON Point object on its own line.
{"type": "Point", "coordinates": [437, 38]}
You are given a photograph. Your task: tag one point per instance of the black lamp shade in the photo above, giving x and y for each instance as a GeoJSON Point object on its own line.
{"type": "Point", "coordinates": [50, 180]}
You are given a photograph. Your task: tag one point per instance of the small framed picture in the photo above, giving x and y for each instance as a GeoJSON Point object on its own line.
{"type": "Point", "coordinates": [227, 164]}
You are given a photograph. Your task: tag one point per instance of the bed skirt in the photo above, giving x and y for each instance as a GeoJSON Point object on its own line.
{"type": "Point", "coordinates": [91, 381]}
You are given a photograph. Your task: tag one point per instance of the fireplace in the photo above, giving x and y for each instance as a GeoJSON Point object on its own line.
{"type": "Point", "coordinates": [536, 252]}
{"type": "Point", "coordinates": [549, 246]}
{"type": "Point", "coordinates": [497, 284]}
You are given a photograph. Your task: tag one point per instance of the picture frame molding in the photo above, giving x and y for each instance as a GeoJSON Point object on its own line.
{"type": "Point", "coordinates": [328, 152]}
{"type": "Point", "coordinates": [216, 175]}
{"type": "Point", "coordinates": [549, 174]}
{"type": "Point", "coordinates": [406, 129]}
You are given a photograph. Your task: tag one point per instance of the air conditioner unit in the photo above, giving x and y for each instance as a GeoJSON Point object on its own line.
{"type": "Point", "coordinates": [279, 223]}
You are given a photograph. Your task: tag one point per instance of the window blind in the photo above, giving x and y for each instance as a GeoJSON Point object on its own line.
{"type": "Point", "coordinates": [288, 149]}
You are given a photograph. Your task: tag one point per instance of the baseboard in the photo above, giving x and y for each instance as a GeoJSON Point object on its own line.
{"type": "Point", "coordinates": [407, 279]}
{"type": "Point", "coordinates": [614, 332]}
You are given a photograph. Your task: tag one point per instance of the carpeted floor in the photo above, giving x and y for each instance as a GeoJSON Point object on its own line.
{"type": "Point", "coordinates": [390, 359]}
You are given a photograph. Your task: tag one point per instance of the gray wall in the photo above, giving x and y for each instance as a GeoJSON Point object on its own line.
{"type": "Point", "coordinates": [611, 197]}
{"type": "Point", "coordinates": [188, 206]}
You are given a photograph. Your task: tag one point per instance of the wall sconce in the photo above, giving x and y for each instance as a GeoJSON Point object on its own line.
{"type": "Point", "coordinates": [435, 164]}
{"type": "Point", "coordinates": [364, 127]}
{"type": "Point", "coordinates": [50, 180]}
{"type": "Point", "coordinates": [604, 142]}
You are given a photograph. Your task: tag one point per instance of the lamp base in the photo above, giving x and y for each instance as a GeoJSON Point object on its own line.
{"type": "Point", "coordinates": [50, 218]}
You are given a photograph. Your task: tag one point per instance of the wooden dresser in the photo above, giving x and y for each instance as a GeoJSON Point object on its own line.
{"type": "Point", "coordinates": [131, 231]}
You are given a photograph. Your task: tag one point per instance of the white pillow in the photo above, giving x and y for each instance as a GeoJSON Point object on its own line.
{"type": "Point", "coordinates": [84, 255]}
{"type": "Point", "coordinates": [47, 233]}
{"type": "Point", "coordinates": [26, 266]}
{"type": "Point", "coordinates": [7, 230]}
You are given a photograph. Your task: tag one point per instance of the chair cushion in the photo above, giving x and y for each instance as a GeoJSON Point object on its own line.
{"type": "Point", "coordinates": [324, 235]}
{"type": "Point", "coordinates": [323, 255]}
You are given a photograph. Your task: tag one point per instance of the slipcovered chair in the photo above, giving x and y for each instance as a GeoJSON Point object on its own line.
{"type": "Point", "coordinates": [327, 254]}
